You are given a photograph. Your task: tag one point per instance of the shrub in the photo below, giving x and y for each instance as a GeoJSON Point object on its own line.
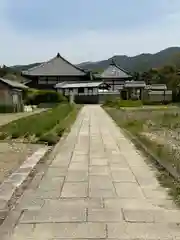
{"type": "Point", "coordinates": [152, 103]}
{"type": "Point", "coordinates": [6, 109]}
{"type": "Point", "coordinates": [36, 97]}
{"type": "Point", "coordinates": [60, 131]}
{"type": "Point", "coordinates": [15, 134]}
{"type": "Point", "coordinates": [130, 103]}
{"type": "Point", "coordinates": [111, 102]}
{"type": "Point", "coordinates": [118, 103]}
{"type": "Point", "coordinates": [50, 139]}
{"type": "Point", "coordinates": [3, 135]}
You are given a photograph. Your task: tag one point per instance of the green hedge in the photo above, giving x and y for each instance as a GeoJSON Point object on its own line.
{"type": "Point", "coordinates": [6, 108]}
{"type": "Point", "coordinates": [36, 97]}
{"type": "Point", "coordinates": [130, 103]}
{"type": "Point", "coordinates": [118, 103]}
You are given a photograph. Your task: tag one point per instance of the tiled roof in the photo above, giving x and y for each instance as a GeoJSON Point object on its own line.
{"type": "Point", "coordinates": [157, 87]}
{"type": "Point", "coordinates": [160, 92]}
{"type": "Point", "coordinates": [57, 66]}
{"type": "Point", "coordinates": [13, 84]}
{"type": "Point", "coordinates": [135, 84]}
{"type": "Point", "coordinates": [114, 71]}
{"type": "Point", "coordinates": [78, 84]}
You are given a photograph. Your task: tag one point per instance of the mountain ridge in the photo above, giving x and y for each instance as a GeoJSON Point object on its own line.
{"type": "Point", "coordinates": [139, 63]}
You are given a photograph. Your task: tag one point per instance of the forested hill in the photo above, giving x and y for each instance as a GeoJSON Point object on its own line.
{"type": "Point", "coordinates": [139, 63]}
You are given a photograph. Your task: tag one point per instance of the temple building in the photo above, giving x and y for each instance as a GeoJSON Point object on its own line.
{"type": "Point", "coordinates": [54, 71]}
{"type": "Point", "coordinates": [84, 87]}
{"type": "Point", "coordinates": [115, 76]}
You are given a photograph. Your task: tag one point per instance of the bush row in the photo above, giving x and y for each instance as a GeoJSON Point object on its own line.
{"type": "Point", "coordinates": [118, 103]}
{"type": "Point", "coordinates": [36, 97]}
{"type": "Point", "coordinates": [6, 108]}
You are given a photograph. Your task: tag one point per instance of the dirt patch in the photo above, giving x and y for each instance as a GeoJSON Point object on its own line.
{"type": "Point", "coordinates": [12, 155]}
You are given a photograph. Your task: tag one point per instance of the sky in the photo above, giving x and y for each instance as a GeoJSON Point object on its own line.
{"type": "Point", "coordinates": [85, 30]}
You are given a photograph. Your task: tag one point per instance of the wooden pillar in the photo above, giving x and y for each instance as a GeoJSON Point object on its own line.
{"type": "Point", "coordinates": [127, 94]}
{"type": "Point", "coordinates": [113, 85]}
{"type": "Point", "coordinates": [141, 93]}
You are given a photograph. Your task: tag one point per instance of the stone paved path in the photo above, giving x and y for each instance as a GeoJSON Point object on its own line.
{"type": "Point", "coordinates": [97, 187]}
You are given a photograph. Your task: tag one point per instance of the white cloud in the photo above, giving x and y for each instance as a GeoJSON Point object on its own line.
{"type": "Point", "coordinates": [19, 48]}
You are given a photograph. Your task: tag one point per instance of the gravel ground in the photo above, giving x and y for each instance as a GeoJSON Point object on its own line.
{"type": "Point", "coordinates": [12, 155]}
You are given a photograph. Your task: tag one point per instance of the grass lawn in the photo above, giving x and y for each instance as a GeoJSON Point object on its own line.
{"type": "Point", "coordinates": [45, 127]}
{"type": "Point", "coordinates": [159, 131]}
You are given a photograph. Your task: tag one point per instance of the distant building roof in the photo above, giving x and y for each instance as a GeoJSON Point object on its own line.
{"type": "Point", "coordinates": [13, 84]}
{"type": "Point", "coordinates": [137, 84]}
{"type": "Point", "coordinates": [160, 92]}
{"type": "Point", "coordinates": [78, 84]}
{"type": "Point", "coordinates": [114, 71]}
{"type": "Point", "coordinates": [57, 66]}
{"type": "Point", "coordinates": [156, 87]}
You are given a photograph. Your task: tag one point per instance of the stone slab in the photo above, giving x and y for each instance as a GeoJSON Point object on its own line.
{"type": "Point", "coordinates": [117, 166]}
{"type": "Point", "coordinates": [40, 194]}
{"type": "Point", "coordinates": [32, 204]}
{"type": "Point", "coordinates": [154, 193]}
{"type": "Point", "coordinates": [74, 202]}
{"type": "Point", "coordinates": [74, 189]}
{"type": "Point", "coordinates": [104, 215]}
{"type": "Point", "coordinates": [77, 176]}
{"type": "Point", "coordinates": [101, 193]}
{"type": "Point", "coordinates": [71, 230]}
{"type": "Point", "coordinates": [140, 216]}
{"type": "Point", "coordinates": [123, 175]}
{"type": "Point", "coordinates": [100, 182]}
{"type": "Point", "coordinates": [22, 232]}
{"type": "Point", "coordinates": [128, 190]}
{"type": "Point", "coordinates": [50, 184]}
{"type": "Point", "coordinates": [56, 172]}
{"type": "Point", "coordinates": [54, 215]}
{"type": "Point", "coordinates": [141, 231]}
{"type": "Point", "coordinates": [98, 161]}
{"type": "Point", "coordinates": [78, 166]}
{"type": "Point", "coordinates": [99, 170]}
{"type": "Point", "coordinates": [80, 158]}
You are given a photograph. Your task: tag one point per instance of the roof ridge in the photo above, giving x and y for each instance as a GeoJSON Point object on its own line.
{"type": "Point", "coordinates": [122, 69]}
{"type": "Point", "coordinates": [58, 56]}
{"type": "Point", "coordinates": [39, 65]}
{"type": "Point", "coordinates": [78, 68]}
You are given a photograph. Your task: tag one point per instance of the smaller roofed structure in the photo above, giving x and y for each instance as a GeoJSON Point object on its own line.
{"type": "Point", "coordinates": [114, 75]}
{"type": "Point", "coordinates": [78, 85]}
{"type": "Point", "coordinates": [82, 92]}
{"type": "Point", "coordinates": [156, 87]}
{"type": "Point", "coordinates": [13, 84]}
{"type": "Point", "coordinates": [11, 94]}
{"type": "Point", "coordinates": [115, 72]}
{"type": "Point", "coordinates": [134, 84]}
